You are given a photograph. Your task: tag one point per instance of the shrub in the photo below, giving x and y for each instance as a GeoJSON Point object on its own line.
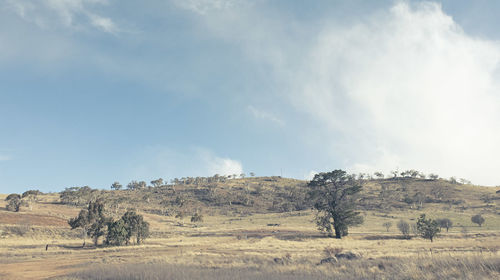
{"type": "Point", "coordinates": [477, 219]}
{"type": "Point", "coordinates": [445, 223]}
{"type": "Point", "coordinates": [197, 218]}
{"type": "Point", "coordinates": [404, 228]}
{"type": "Point", "coordinates": [14, 204]}
{"type": "Point", "coordinates": [387, 225]}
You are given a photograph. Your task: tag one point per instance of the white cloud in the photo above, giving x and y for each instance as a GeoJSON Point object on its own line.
{"type": "Point", "coordinates": [408, 89]}
{"type": "Point", "coordinates": [219, 165]}
{"type": "Point", "coordinates": [75, 14]}
{"type": "Point", "coordinates": [203, 7]}
{"type": "Point", "coordinates": [263, 115]}
{"type": "Point", "coordinates": [310, 175]}
{"type": "Point", "coordinates": [404, 88]}
{"type": "Point", "coordinates": [159, 161]}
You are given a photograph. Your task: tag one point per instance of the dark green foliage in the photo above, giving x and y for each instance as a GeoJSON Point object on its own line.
{"type": "Point", "coordinates": [116, 186]}
{"type": "Point", "coordinates": [12, 196]}
{"type": "Point", "coordinates": [477, 219]}
{"type": "Point", "coordinates": [334, 197]}
{"type": "Point", "coordinates": [78, 195]}
{"type": "Point", "coordinates": [92, 220]}
{"type": "Point", "coordinates": [157, 183]}
{"type": "Point", "coordinates": [135, 226]}
{"type": "Point", "coordinates": [427, 228]}
{"type": "Point", "coordinates": [33, 193]}
{"type": "Point", "coordinates": [117, 233]}
{"type": "Point", "coordinates": [14, 203]}
{"type": "Point", "coordinates": [134, 185]}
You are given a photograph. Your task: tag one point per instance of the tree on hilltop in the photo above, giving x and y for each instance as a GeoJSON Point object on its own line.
{"type": "Point", "coordinates": [116, 186]}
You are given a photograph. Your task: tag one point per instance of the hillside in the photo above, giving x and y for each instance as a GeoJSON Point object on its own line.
{"type": "Point", "coordinates": [262, 222]}
{"type": "Point", "coordinates": [259, 195]}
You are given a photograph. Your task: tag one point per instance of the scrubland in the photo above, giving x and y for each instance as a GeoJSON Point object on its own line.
{"type": "Point", "coordinates": [259, 239]}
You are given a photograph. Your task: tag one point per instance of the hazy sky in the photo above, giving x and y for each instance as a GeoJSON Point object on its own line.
{"type": "Point", "coordinates": [94, 91]}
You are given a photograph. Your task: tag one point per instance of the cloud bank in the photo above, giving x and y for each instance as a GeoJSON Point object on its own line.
{"type": "Point", "coordinates": [403, 88]}
{"type": "Point", "coordinates": [407, 89]}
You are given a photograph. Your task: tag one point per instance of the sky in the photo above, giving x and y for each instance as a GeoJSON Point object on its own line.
{"type": "Point", "coordinates": [97, 91]}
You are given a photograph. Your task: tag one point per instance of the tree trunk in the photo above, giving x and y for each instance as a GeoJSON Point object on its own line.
{"type": "Point", "coordinates": [338, 232]}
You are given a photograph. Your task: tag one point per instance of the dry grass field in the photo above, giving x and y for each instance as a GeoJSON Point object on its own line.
{"type": "Point", "coordinates": [255, 245]}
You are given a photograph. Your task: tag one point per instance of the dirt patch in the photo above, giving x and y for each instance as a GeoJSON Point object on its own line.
{"type": "Point", "coordinates": [13, 218]}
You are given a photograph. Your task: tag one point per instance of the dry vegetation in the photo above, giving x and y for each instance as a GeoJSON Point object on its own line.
{"type": "Point", "coordinates": [259, 228]}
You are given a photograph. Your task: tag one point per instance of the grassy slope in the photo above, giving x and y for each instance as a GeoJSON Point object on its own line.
{"type": "Point", "coordinates": [237, 235]}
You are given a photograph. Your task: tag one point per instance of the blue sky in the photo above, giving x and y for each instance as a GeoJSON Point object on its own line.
{"type": "Point", "coordinates": [97, 91]}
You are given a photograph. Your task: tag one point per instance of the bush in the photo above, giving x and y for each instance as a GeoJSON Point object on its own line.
{"type": "Point", "coordinates": [197, 218]}
{"type": "Point", "coordinates": [387, 225]}
{"type": "Point", "coordinates": [477, 219]}
{"type": "Point", "coordinates": [14, 204]}
{"type": "Point", "coordinates": [445, 223]}
{"type": "Point", "coordinates": [404, 228]}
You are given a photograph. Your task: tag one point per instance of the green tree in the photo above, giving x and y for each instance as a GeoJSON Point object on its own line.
{"type": "Point", "coordinates": [427, 228]}
{"type": "Point", "coordinates": [157, 183]}
{"type": "Point", "coordinates": [116, 186]}
{"type": "Point", "coordinates": [117, 233]}
{"type": "Point", "coordinates": [136, 226]}
{"type": "Point", "coordinates": [92, 220]}
{"type": "Point", "coordinates": [13, 202]}
{"type": "Point", "coordinates": [334, 197]}
{"type": "Point", "coordinates": [477, 219]}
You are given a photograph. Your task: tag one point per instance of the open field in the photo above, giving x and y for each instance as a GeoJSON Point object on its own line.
{"type": "Point", "coordinates": [279, 245]}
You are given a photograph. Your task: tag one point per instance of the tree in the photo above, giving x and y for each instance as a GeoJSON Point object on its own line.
{"type": "Point", "coordinates": [117, 233]}
{"type": "Point", "coordinates": [334, 197]}
{"type": "Point", "coordinates": [135, 226]}
{"type": "Point", "coordinates": [157, 183]}
{"type": "Point", "coordinates": [92, 220]}
{"type": "Point", "coordinates": [445, 223]}
{"type": "Point", "coordinates": [404, 228]}
{"type": "Point", "coordinates": [427, 228]}
{"type": "Point", "coordinates": [433, 176]}
{"type": "Point", "coordinates": [477, 219]}
{"type": "Point", "coordinates": [13, 202]}
{"type": "Point", "coordinates": [387, 225]}
{"type": "Point", "coordinates": [12, 196]}
{"type": "Point", "coordinates": [116, 186]}
{"type": "Point", "coordinates": [29, 197]}
{"type": "Point", "coordinates": [252, 174]}
{"type": "Point", "coordinates": [379, 175]}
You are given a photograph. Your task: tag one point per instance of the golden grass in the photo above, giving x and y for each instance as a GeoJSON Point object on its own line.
{"type": "Point", "coordinates": [239, 242]}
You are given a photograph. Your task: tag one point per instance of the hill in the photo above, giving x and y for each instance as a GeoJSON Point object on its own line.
{"type": "Point", "coordinates": [261, 222]}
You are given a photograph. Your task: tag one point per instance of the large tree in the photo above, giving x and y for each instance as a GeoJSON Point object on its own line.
{"type": "Point", "coordinates": [92, 220]}
{"type": "Point", "coordinates": [135, 226]}
{"type": "Point", "coordinates": [334, 197]}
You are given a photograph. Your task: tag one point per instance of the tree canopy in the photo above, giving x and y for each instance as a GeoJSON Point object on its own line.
{"type": "Point", "coordinates": [334, 197]}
